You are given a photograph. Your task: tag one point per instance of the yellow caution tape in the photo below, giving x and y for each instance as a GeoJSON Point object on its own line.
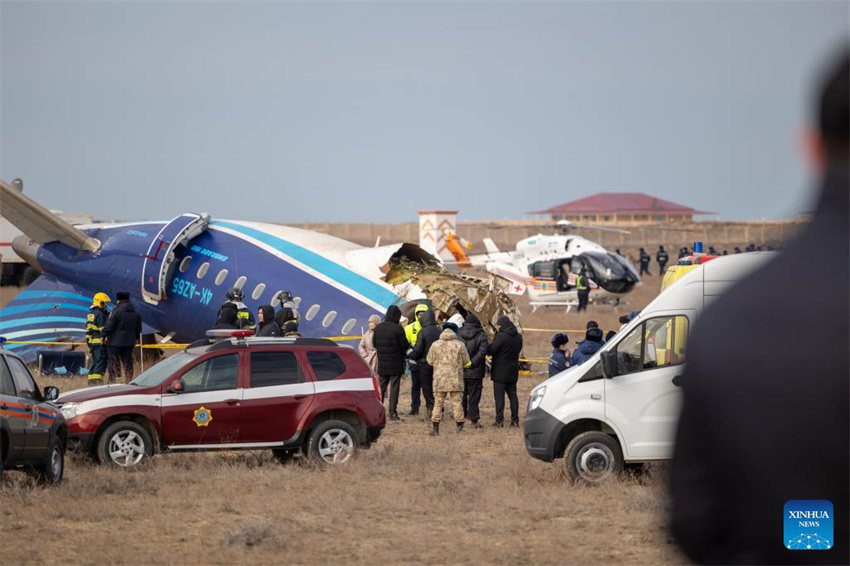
{"type": "Point", "coordinates": [553, 330]}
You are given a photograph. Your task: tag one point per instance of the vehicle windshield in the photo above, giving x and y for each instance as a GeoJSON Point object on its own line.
{"type": "Point", "coordinates": [163, 370]}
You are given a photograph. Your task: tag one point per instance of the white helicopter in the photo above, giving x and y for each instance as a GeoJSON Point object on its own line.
{"type": "Point", "coordinates": [545, 266]}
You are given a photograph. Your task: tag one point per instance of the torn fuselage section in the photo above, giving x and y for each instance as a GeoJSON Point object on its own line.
{"type": "Point", "coordinates": [451, 293]}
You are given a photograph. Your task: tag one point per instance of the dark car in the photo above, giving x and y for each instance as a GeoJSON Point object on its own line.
{"type": "Point", "coordinates": [290, 395]}
{"type": "Point", "coordinates": [33, 433]}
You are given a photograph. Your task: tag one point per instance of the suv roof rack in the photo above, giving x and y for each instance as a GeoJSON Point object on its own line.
{"type": "Point", "coordinates": [263, 341]}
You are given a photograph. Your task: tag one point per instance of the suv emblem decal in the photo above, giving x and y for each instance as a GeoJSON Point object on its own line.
{"type": "Point", "coordinates": [202, 417]}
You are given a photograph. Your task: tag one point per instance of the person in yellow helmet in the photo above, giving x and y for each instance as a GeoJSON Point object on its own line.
{"type": "Point", "coordinates": [95, 321]}
{"type": "Point", "coordinates": [411, 331]}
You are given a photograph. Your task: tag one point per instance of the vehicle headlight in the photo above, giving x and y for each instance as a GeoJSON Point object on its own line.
{"type": "Point", "coordinates": [70, 410]}
{"type": "Point", "coordinates": [536, 397]}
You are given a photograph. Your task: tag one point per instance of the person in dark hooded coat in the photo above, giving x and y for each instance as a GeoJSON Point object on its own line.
{"type": "Point", "coordinates": [504, 369]}
{"type": "Point", "coordinates": [122, 330]}
{"type": "Point", "coordinates": [427, 335]}
{"type": "Point", "coordinates": [226, 319]}
{"type": "Point", "coordinates": [589, 346]}
{"type": "Point", "coordinates": [266, 321]}
{"type": "Point", "coordinates": [473, 374]}
{"type": "Point", "coordinates": [391, 346]}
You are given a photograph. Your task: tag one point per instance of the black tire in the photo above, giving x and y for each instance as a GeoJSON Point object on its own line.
{"type": "Point", "coordinates": [593, 457]}
{"type": "Point", "coordinates": [283, 455]}
{"type": "Point", "coordinates": [30, 275]}
{"type": "Point", "coordinates": [52, 469]}
{"type": "Point", "coordinates": [128, 438]}
{"type": "Point", "coordinates": [333, 443]}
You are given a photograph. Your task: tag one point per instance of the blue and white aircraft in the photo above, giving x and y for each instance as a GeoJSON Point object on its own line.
{"type": "Point", "coordinates": [177, 273]}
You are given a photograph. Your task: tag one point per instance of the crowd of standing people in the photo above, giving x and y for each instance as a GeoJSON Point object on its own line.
{"type": "Point", "coordinates": [447, 362]}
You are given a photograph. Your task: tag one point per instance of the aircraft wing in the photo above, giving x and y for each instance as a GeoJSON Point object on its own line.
{"type": "Point", "coordinates": [49, 310]}
{"type": "Point", "coordinates": [38, 223]}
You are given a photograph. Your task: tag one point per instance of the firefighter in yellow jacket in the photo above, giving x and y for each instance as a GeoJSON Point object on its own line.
{"type": "Point", "coordinates": [95, 321]}
{"type": "Point", "coordinates": [448, 357]}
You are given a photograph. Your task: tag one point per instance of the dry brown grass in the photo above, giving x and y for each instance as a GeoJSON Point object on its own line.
{"type": "Point", "coordinates": [470, 498]}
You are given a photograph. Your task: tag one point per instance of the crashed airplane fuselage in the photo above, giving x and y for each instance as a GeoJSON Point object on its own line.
{"type": "Point", "coordinates": [177, 274]}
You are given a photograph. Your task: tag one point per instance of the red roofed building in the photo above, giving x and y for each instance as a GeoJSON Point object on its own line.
{"type": "Point", "coordinates": [621, 208]}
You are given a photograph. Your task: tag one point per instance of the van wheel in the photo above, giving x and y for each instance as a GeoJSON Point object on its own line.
{"type": "Point", "coordinates": [53, 468]}
{"type": "Point", "coordinates": [593, 457]}
{"type": "Point", "coordinates": [124, 444]}
{"type": "Point", "coordinates": [333, 442]}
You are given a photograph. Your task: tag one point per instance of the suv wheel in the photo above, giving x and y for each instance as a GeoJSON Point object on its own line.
{"type": "Point", "coordinates": [593, 457]}
{"type": "Point", "coordinates": [333, 442]}
{"type": "Point", "coordinates": [53, 468]}
{"type": "Point", "coordinates": [124, 444]}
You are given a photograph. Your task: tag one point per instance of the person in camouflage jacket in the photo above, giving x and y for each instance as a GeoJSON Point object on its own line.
{"type": "Point", "coordinates": [448, 357]}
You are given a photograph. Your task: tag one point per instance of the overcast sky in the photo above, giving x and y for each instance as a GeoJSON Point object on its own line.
{"type": "Point", "coordinates": [370, 111]}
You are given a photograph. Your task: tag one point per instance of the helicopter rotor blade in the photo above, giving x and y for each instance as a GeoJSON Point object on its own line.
{"type": "Point", "coordinates": [596, 227]}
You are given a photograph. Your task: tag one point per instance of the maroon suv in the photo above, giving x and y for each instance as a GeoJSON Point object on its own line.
{"type": "Point", "coordinates": [288, 394]}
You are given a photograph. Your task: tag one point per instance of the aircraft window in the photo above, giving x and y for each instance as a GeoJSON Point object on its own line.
{"type": "Point", "coordinates": [203, 269]}
{"type": "Point", "coordinates": [184, 265]}
{"type": "Point", "coordinates": [258, 290]}
{"type": "Point", "coordinates": [240, 282]}
{"type": "Point", "coordinates": [222, 275]}
{"type": "Point", "coordinates": [314, 310]}
{"type": "Point", "coordinates": [296, 302]}
{"type": "Point", "coordinates": [348, 326]}
{"type": "Point", "coordinates": [329, 318]}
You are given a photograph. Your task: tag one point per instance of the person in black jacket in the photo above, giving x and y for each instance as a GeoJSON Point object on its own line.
{"type": "Point", "coordinates": [473, 374]}
{"type": "Point", "coordinates": [226, 319]}
{"type": "Point", "coordinates": [662, 257]}
{"type": "Point", "coordinates": [266, 322]}
{"type": "Point", "coordinates": [763, 423]}
{"type": "Point", "coordinates": [504, 369]}
{"type": "Point", "coordinates": [122, 330]}
{"type": "Point", "coordinates": [427, 335]}
{"type": "Point", "coordinates": [391, 345]}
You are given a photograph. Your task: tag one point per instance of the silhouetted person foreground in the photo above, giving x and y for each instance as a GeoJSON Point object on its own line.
{"type": "Point", "coordinates": [765, 416]}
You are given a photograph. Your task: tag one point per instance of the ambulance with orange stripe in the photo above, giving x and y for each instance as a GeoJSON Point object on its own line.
{"type": "Point", "coordinates": [33, 433]}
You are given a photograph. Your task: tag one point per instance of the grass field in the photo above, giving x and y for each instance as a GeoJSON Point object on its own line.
{"type": "Point", "coordinates": [474, 498]}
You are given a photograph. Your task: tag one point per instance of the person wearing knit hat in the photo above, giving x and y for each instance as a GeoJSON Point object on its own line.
{"type": "Point", "coordinates": [450, 326]}
{"type": "Point", "coordinates": [367, 347]}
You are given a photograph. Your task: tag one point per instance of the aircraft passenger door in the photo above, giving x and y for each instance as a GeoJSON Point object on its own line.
{"type": "Point", "coordinates": [644, 399]}
{"type": "Point", "coordinates": [160, 256]}
{"type": "Point", "coordinates": [209, 410]}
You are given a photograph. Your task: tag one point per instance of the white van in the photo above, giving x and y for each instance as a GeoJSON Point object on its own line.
{"type": "Point", "coordinates": [620, 407]}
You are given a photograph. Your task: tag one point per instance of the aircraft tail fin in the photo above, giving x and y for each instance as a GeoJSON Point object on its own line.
{"type": "Point", "coordinates": [491, 246]}
{"type": "Point", "coordinates": [49, 310]}
{"type": "Point", "coordinates": [38, 223]}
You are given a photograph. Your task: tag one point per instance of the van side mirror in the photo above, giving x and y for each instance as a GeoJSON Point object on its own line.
{"type": "Point", "coordinates": [51, 393]}
{"type": "Point", "coordinates": [609, 363]}
{"type": "Point", "coordinates": [176, 387]}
